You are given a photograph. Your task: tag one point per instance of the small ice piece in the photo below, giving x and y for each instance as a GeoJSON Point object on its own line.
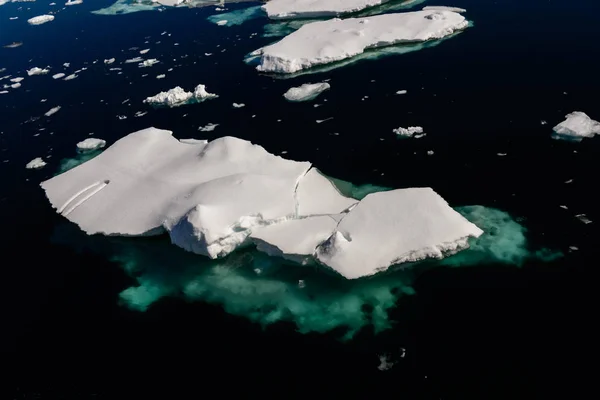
{"type": "Point", "coordinates": [409, 132]}
{"type": "Point", "coordinates": [222, 22]}
{"type": "Point", "coordinates": [387, 228]}
{"type": "Point", "coordinates": [306, 92]}
{"type": "Point", "coordinates": [208, 128]}
{"type": "Point", "coordinates": [134, 60]}
{"type": "Point", "coordinates": [576, 127]}
{"type": "Point", "coordinates": [17, 79]}
{"type": "Point", "coordinates": [13, 18]}
{"type": "Point", "coordinates": [583, 218]}
{"type": "Point", "coordinates": [402, 92]}
{"type": "Point", "coordinates": [40, 19]}
{"type": "Point", "coordinates": [140, 114]}
{"type": "Point", "coordinates": [36, 163]}
{"type": "Point", "coordinates": [149, 62]}
{"type": "Point", "coordinates": [444, 8]}
{"type": "Point", "coordinates": [161, 76]}
{"type": "Point", "coordinates": [385, 363]}
{"type": "Point", "coordinates": [3, 91]}
{"type": "Point", "coordinates": [238, 105]}
{"type": "Point", "coordinates": [66, 65]}
{"type": "Point", "coordinates": [91, 144]}
{"type": "Point", "coordinates": [52, 111]}
{"type": "Point", "coordinates": [177, 97]}
{"type": "Point", "coordinates": [564, 207]}
{"type": "Point", "coordinates": [73, 2]}
{"type": "Point", "coordinates": [122, 117]}
{"type": "Point", "coordinates": [334, 40]}
{"type": "Point", "coordinates": [70, 77]}
{"type": "Point", "coordinates": [543, 122]}
{"type": "Point", "coordinates": [208, 54]}
{"type": "Point", "coordinates": [109, 61]}
{"type": "Point", "coordinates": [430, 152]}
{"type": "Point", "coordinates": [501, 154]}
{"type": "Point", "coordinates": [144, 51]}
{"type": "Point", "coordinates": [15, 85]}
{"type": "Point", "coordinates": [58, 76]}
{"type": "Point", "coordinates": [37, 71]}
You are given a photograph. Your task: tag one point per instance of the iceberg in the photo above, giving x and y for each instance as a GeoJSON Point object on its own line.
{"type": "Point", "coordinates": [444, 8]}
{"type": "Point", "coordinates": [36, 163]}
{"type": "Point", "coordinates": [281, 9]}
{"type": "Point", "coordinates": [70, 77]}
{"type": "Point", "coordinates": [394, 227]}
{"type": "Point", "coordinates": [58, 76]}
{"type": "Point", "coordinates": [52, 111]}
{"type": "Point", "coordinates": [109, 61]}
{"type": "Point", "coordinates": [411, 131]}
{"type": "Point", "coordinates": [335, 40]}
{"type": "Point", "coordinates": [73, 2]}
{"type": "Point", "coordinates": [37, 71]}
{"type": "Point", "coordinates": [576, 126]}
{"type": "Point", "coordinates": [17, 79]}
{"type": "Point", "coordinates": [306, 92]}
{"type": "Point", "coordinates": [149, 62]}
{"type": "Point", "coordinates": [178, 97]}
{"type": "Point", "coordinates": [91, 144]}
{"type": "Point", "coordinates": [40, 19]}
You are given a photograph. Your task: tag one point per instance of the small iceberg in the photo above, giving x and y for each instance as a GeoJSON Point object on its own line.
{"type": "Point", "coordinates": [36, 163]}
{"type": "Point", "coordinates": [91, 144]}
{"type": "Point", "coordinates": [306, 92]}
{"type": "Point", "coordinates": [411, 131]}
{"type": "Point", "coordinates": [73, 2]}
{"type": "Point", "coordinates": [178, 97]}
{"type": "Point", "coordinates": [58, 76]}
{"type": "Point", "coordinates": [40, 19]}
{"type": "Point", "coordinates": [52, 111]}
{"type": "Point", "coordinates": [37, 71]}
{"type": "Point", "coordinates": [576, 126]}
{"type": "Point", "coordinates": [109, 61]}
{"type": "Point", "coordinates": [149, 62]}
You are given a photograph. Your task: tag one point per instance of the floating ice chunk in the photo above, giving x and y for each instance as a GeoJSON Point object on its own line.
{"type": "Point", "coordinates": [3, 91]}
{"type": "Point", "coordinates": [576, 127]}
{"type": "Point", "coordinates": [430, 152]}
{"type": "Point", "coordinates": [394, 227]}
{"type": "Point", "coordinates": [200, 93]}
{"type": "Point", "coordinates": [134, 60]}
{"type": "Point", "coordinates": [41, 19]}
{"type": "Point", "coordinates": [144, 51]}
{"type": "Point", "coordinates": [15, 85]}
{"type": "Point", "coordinates": [17, 79]}
{"type": "Point", "coordinates": [208, 128]}
{"type": "Point", "coordinates": [91, 144]}
{"type": "Point", "coordinates": [411, 131]}
{"type": "Point", "coordinates": [172, 98]}
{"type": "Point", "coordinates": [66, 65]}
{"type": "Point", "coordinates": [58, 76]}
{"type": "Point", "coordinates": [385, 363]}
{"type": "Point", "coordinates": [316, 195]}
{"type": "Point", "coordinates": [444, 8]}
{"type": "Point", "coordinates": [306, 92]}
{"type": "Point", "coordinates": [161, 76]}
{"type": "Point", "coordinates": [149, 62]}
{"type": "Point", "coordinates": [280, 9]}
{"type": "Point", "coordinates": [37, 71]}
{"type": "Point", "coordinates": [73, 2]}
{"type": "Point", "coordinates": [222, 22]}
{"type": "Point", "coordinates": [402, 92]}
{"type": "Point", "coordinates": [583, 218]}
{"type": "Point", "coordinates": [109, 61]}
{"type": "Point", "coordinates": [70, 77]}
{"type": "Point", "coordinates": [330, 41]}
{"type": "Point", "coordinates": [36, 163]}
{"type": "Point", "coordinates": [13, 18]}
{"type": "Point", "coordinates": [52, 111]}
{"type": "Point", "coordinates": [238, 105]}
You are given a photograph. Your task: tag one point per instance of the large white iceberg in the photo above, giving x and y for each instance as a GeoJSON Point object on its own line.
{"type": "Point", "coordinates": [306, 92]}
{"type": "Point", "coordinates": [178, 97]}
{"type": "Point", "coordinates": [214, 197]}
{"type": "Point", "coordinates": [394, 227]}
{"type": "Point", "coordinates": [40, 19]}
{"type": "Point", "coordinates": [577, 126]}
{"type": "Point", "coordinates": [334, 40]}
{"type": "Point", "coordinates": [279, 9]}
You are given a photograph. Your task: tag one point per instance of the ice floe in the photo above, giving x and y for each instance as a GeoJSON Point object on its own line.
{"type": "Point", "coordinates": [40, 19]}
{"type": "Point", "coordinates": [214, 197]}
{"type": "Point", "coordinates": [37, 71]}
{"type": "Point", "coordinates": [36, 163]}
{"type": "Point", "coordinates": [444, 8]}
{"type": "Point", "coordinates": [411, 131]}
{"type": "Point", "coordinates": [208, 128]}
{"type": "Point", "coordinates": [177, 97]}
{"type": "Point", "coordinates": [306, 92]}
{"type": "Point", "coordinates": [576, 126]}
{"type": "Point", "coordinates": [52, 111]}
{"type": "Point", "coordinates": [334, 40]}
{"type": "Point", "coordinates": [17, 79]}
{"type": "Point", "coordinates": [402, 92]}
{"type": "Point", "coordinates": [73, 2]}
{"type": "Point", "coordinates": [70, 77]}
{"type": "Point", "coordinates": [91, 144]}
{"type": "Point", "coordinates": [149, 62]}
{"type": "Point", "coordinates": [280, 9]}
{"type": "Point", "coordinates": [58, 76]}
{"type": "Point", "coordinates": [134, 60]}
{"type": "Point", "coordinates": [161, 76]}
{"type": "Point", "coordinates": [109, 61]}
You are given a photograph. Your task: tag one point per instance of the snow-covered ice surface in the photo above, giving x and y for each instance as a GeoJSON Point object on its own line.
{"type": "Point", "coordinates": [280, 9]}
{"type": "Point", "coordinates": [36, 163]}
{"type": "Point", "coordinates": [306, 92]}
{"type": "Point", "coordinates": [37, 71]}
{"type": "Point", "coordinates": [404, 225]}
{"type": "Point", "coordinates": [178, 97]}
{"type": "Point", "coordinates": [91, 144]}
{"type": "Point", "coordinates": [576, 126]}
{"type": "Point", "coordinates": [334, 40]}
{"type": "Point", "coordinates": [40, 19]}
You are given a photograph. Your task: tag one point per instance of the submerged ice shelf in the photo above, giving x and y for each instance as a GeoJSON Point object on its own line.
{"type": "Point", "coordinates": [335, 40]}
{"type": "Point", "coordinates": [215, 197]}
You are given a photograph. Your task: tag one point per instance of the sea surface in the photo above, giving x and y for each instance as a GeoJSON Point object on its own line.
{"type": "Point", "coordinates": [487, 99]}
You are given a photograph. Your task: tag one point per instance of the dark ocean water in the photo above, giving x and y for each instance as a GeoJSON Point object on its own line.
{"type": "Point", "coordinates": [484, 332]}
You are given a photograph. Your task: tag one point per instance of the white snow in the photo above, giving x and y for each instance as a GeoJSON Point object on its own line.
{"type": "Point", "coordinates": [36, 163]}
{"type": "Point", "coordinates": [109, 61]}
{"type": "Point", "coordinates": [91, 144]}
{"type": "Point", "coordinates": [177, 97]}
{"type": "Point", "coordinates": [444, 8]}
{"type": "Point", "coordinates": [577, 126]}
{"type": "Point", "coordinates": [58, 76]}
{"type": "Point", "coordinates": [52, 111]}
{"type": "Point", "coordinates": [411, 131]}
{"type": "Point", "coordinates": [40, 19]}
{"type": "Point", "coordinates": [393, 227]}
{"type": "Point", "coordinates": [329, 41]}
{"type": "Point", "coordinates": [149, 62]}
{"type": "Point", "coordinates": [316, 195]}
{"type": "Point", "coordinates": [306, 92]}
{"type": "Point", "coordinates": [37, 71]}
{"type": "Point", "coordinates": [279, 9]}
{"type": "Point", "coordinates": [73, 2]}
